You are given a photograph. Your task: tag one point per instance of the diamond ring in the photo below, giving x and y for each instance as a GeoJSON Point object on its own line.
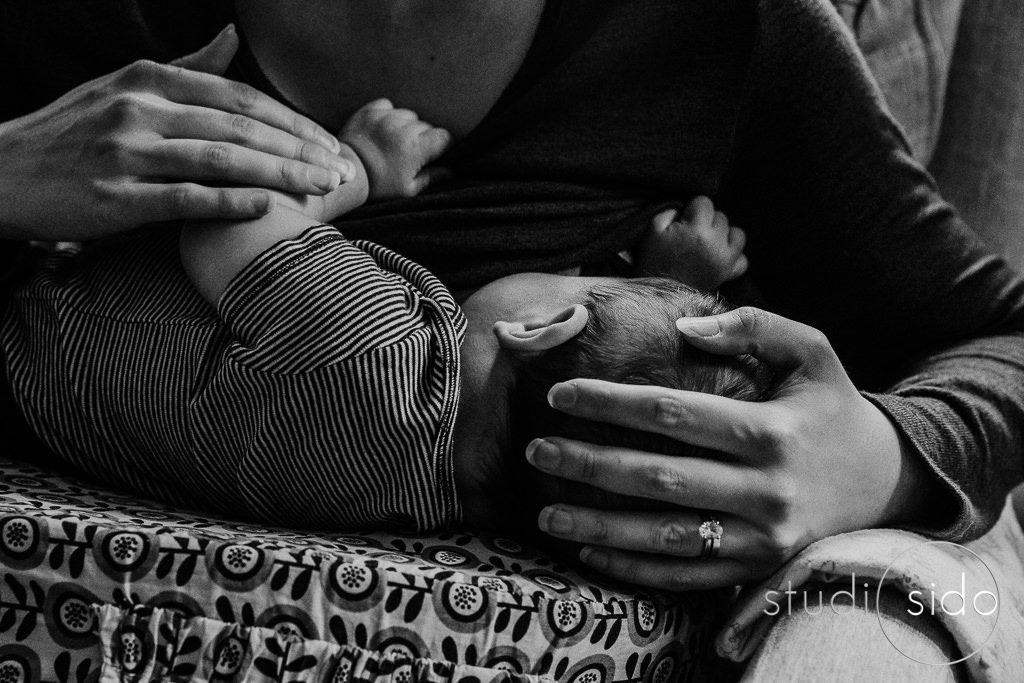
{"type": "Point", "coordinates": [710, 531]}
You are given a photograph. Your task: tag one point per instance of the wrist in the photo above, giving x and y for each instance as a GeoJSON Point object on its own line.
{"type": "Point", "coordinates": [367, 157]}
{"type": "Point", "coordinates": [915, 488]}
{"type": "Point", "coordinates": [352, 193]}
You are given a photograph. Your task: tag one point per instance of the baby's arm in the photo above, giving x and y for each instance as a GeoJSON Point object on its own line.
{"type": "Point", "coordinates": [388, 150]}
{"type": "Point", "coordinates": [697, 246]}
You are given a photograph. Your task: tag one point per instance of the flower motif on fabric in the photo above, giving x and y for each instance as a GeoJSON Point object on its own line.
{"type": "Point", "coordinates": [462, 607]}
{"type": "Point", "coordinates": [239, 558]}
{"type": "Point", "coordinates": [132, 654]}
{"type": "Point", "coordinates": [449, 556]}
{"type": "Point", "coordinates": [16, 533]}
{"type": "Point", "coordinates": [22, 542]}
{"type": "Point", "coordinates": [18, 664]}
{"type": "Point", "coordinates": [663, 670]}
{"type": "Point", "coordinates": [239, 567]}
{"type": "Point", "coordinates": [125, 547]}
{"type": "Point", "coordinates": [565, 621]}
{"type": "Point", "coordinates": [228, 657]}
{"type": "Point", "coordinates": [353, 586]}
{"type": "Point", "coordinates": [124, 554]}
{"type": "Point", "coordinates": [76, 615]}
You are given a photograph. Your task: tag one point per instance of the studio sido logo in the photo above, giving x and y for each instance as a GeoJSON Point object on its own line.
{"type": "Point", "coordinates": [955, 589]}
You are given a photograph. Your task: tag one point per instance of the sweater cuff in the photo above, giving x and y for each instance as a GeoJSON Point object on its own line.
{"type": "Point", "coordinates": [955, 515]}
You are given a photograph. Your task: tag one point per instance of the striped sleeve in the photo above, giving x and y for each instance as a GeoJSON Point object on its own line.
{"type": "Point", "coordinates": [333, 396]}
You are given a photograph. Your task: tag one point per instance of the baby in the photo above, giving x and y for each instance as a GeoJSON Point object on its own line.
{"type": "Point", "coordinates": [280, 372]}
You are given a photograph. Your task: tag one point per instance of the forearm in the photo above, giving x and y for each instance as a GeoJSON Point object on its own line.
{"type": "Point", "coordinates": [860, 245]}
{"type": "Point", "coordinates": [214, 252]}
{"type": "Point", "coordinates": [962, 412]}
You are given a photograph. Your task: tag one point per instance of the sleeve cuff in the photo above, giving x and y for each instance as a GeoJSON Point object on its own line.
{"type": "Point", "coordinates": [957, 517]}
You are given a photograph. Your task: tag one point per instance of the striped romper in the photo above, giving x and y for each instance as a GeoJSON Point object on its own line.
{"type": "Point", "coordinates": [321, 394]}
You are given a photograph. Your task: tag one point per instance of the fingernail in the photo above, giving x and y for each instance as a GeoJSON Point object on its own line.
{"type": "Point", "coordinates": [562, 396]}
{"type": "Point", "coordinates": [698, 327]}
{"type": "Point", "coordinates": [594, 558]}
{"type": "Point", "coordinates": [330, 142]}
{"type": "Point", "coordinates": [732, 639]}
{"type": "Point", "coordinates": [543, 454]}
{"type": "Point", "coordinates": [325, 180]}
{"type": "Point", "coordinates": [556, 521]}
{"type": "Point", "coordinates": [260, 202]}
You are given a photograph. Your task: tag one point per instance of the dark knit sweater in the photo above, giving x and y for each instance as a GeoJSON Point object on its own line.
{"type": "Point", "coordinates": [765, 106]}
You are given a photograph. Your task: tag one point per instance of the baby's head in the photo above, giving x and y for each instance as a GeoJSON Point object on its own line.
{"type": "Point", "coordinates": [628, 336]}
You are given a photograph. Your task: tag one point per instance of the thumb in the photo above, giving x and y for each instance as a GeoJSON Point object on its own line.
{"type": "Point", "coordinates": [215, 56]}
{"type": "Point", "coordinates": [778, 341]}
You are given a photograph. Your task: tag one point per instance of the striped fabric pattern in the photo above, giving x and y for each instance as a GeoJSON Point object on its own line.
{"type": "Point", "coordinates": [321, 394]}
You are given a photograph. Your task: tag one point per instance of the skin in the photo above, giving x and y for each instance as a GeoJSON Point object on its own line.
{"type": "Point", "coordinates": [815, 460]}
{"type": "Point", "coordinates": [448, 61]}
{"type": "Point", "coordinates": [153, 142]}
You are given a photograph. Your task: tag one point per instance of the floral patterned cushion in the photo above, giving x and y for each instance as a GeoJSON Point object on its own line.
{"type": "Point", "coordinates": [101, 586]}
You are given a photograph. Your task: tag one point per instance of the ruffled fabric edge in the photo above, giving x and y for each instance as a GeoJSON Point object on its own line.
{"type": "Point", "coordinates": [143, 644]}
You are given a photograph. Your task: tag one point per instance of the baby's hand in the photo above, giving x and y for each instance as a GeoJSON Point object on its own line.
{"type": "Point", "coordinates": [698, 247]}
{"type": "Point", "coordinates": [395, 147]}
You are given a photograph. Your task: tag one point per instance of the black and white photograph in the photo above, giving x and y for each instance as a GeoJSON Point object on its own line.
{"type": "Point", "coordinates": [512, 341]}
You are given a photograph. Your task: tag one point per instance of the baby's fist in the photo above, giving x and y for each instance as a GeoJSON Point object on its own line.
{"type": "Point", "coordinates": [697, 246]}
{"type": "Point", "coordinates": [395, 148]}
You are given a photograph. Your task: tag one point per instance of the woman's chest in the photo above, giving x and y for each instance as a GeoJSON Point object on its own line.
{"type": "Point", "coordinates": [449, 62]}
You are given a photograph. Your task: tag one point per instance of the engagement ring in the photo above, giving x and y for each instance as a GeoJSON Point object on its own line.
{"type": "Point", "coordinates": [710, 531]}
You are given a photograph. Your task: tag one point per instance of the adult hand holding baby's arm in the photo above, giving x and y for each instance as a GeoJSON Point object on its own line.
{"type": "Point", "coordinates": [156, 142]}
{"type": "Point", "coordinates": [387, 150]}
{"type": "Point", "coordinates": [816, 459]}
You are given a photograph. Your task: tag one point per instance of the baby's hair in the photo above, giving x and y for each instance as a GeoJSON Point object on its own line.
{"type": "Point", "coordinates": [630, 338]}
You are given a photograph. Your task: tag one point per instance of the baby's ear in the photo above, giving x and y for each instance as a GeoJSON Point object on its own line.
{"type": "Point", "coordinates": [537, 336]}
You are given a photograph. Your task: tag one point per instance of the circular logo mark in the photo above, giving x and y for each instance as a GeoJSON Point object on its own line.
{"type": "Point", "coordinates": [957, 586]}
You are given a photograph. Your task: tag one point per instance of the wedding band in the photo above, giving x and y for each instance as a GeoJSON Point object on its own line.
{"type": "Point", "coordinates": [710, 531]}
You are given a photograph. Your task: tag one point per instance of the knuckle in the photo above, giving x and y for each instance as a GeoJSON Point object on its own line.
{"type": "Point", "coordinates": [183, 200]}
{"type": "Point", "coordinates": [299, 127]}
{"type": "Point", "coordinates": [599, 531]}
{"type": "Point", "coordinates": [140, 72]}
{"type": "Point", "coordinates": [307, 151]}
{"type": "Point", "coordinates": [126, 109]}
{"type": "Point", "coordinates": [782, 543]}
{"type": "Point", "coordinates": [111, 149]}
{"type": "Point", "coordinates": [243, 128]}
{"type": "Point", "coordinates": [225, 204]}
{"type": "Point", "coordinates": [780, 501]}
{"type": "Point", "coordinates": [587, 465]}
{"type": "Point", "coordinates": [292, 174]}
{"type": "Point", "coordinates": [671, 536]}
{"type": "Point", "coordinates": [104, 194]}
{"type": "Point", "coordinates": [750, 319]}
{"type": "Point", "coordinates": [818, 342]}
{"type": "Point", "coordinates": [665, 410]}
{"type": "Point", "coordinates": [217, 157]}
{"type": "Point", "coordinates": [776, 438]}
{"type": "Point", "coordinates": [661, 481]}
{"type": "Point", "coordinates": [245, 96]}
